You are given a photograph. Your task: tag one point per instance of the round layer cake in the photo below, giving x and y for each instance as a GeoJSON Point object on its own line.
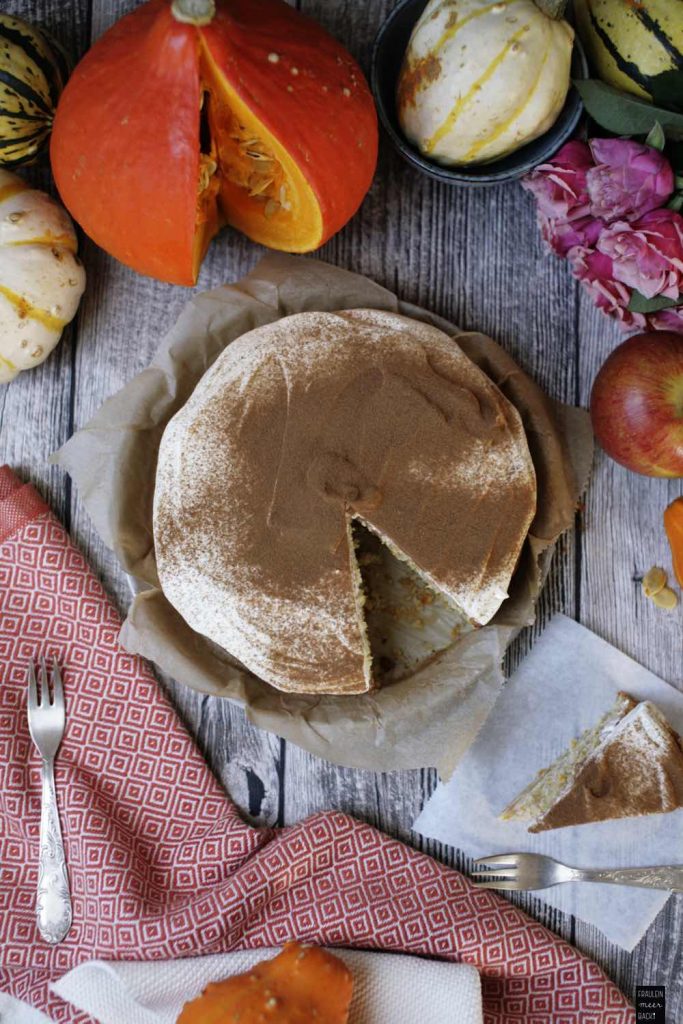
{"type": "Point", "coordinates": [301, 427]}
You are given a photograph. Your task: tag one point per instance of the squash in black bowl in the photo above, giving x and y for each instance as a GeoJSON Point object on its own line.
{"type": "Point", "coordinates": [387, 59]}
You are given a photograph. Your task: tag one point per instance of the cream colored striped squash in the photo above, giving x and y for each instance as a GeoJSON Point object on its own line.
{"type": "Point", "coordinates": [480, 79]}
{"type": "Point", "coordinates": [41, 278]}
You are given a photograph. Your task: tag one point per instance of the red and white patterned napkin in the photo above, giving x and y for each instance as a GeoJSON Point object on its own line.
{"type": "Point", "coordinates": [161, 865]}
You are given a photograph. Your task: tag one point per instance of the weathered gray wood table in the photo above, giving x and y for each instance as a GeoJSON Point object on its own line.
{"type": "Point", "coordinates": [473, 256]}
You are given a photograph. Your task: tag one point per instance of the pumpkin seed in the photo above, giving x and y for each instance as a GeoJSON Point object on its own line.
{"type": "Point", "coordinates": [665, 598]}
{"type": "Point", "coordinates": [207, 169]}
{"type": "Point", "coordinates": [271, 208]}
{"type": "Point", "coordinates": [258, 188]}
{"type": "Point", "coordinates": [284, 198]}
{"type": "Point", "coordinates": [654, 580]}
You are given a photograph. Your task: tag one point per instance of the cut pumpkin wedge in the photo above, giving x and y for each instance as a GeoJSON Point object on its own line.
{"type": "Point", "coordinates": [261, 190]}
{"type": "Point", "coordinates": [188, 115]}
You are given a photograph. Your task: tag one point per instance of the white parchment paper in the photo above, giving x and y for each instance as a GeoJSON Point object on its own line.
{"type": "Point", "coordinates": [569, 680]}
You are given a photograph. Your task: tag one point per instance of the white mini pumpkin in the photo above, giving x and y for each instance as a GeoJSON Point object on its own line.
{"type": "Point", "coordinates": [480, 79]}
{"type": "Point", "coordinates": [41, 278]}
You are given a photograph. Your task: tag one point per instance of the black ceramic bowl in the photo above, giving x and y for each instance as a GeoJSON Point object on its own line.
{"type": "Point", "coordinates": [387, 57]}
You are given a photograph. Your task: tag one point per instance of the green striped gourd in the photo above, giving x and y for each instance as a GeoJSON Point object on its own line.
{"type": "Point", "coordinates": [628, 42]}
{"type": "Point", "coordinates": [33, 72]}
{"type": "Point", "coordinates": [482, 78]}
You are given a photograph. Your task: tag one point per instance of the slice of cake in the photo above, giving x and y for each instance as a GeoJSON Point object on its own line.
{"type": "Point", "coordinates": [628, 765]}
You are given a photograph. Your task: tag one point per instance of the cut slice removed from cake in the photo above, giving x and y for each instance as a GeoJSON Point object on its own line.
{"type": "Point", "coordinates": [628, 765]}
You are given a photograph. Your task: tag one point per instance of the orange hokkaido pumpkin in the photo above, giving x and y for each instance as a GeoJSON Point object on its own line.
{"type": "Point", "coordinates": [189, 114]}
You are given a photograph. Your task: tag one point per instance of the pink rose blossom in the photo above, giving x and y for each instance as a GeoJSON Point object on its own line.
{"type": "Point", "coordinates": [629, 179]}
{"type": "Point", "coordinates": [560, 185]}
{"type": "Point", "coordinates": [596, 273]}
{"type": "Point", "coordinates": [648, 254]}
{"type": "Point", "coordinates": [667, 320]}
{"type": "Point", "coordinates": [601, 207]}
{"type": "Point", "coordinates": [563, 235]}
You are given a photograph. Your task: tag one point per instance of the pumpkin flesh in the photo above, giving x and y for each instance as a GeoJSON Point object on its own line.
{"type": "Point", "coordinates": [167, 130]}
{"type": "Point", "coordinates": [300, 985]}
{"type": "Point", "coordinates": [261, 191]}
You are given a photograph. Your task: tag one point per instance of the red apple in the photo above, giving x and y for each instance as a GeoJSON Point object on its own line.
{"type": "Point", "coordinates": [637, 404]}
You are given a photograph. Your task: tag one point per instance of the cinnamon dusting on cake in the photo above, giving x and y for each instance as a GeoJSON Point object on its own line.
{"type": "Point", "coordinates": [301, 426]}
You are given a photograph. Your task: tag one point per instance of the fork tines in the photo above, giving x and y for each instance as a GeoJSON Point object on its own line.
{"type": "Point", "coordinates": [36, 700]}
{"type": "Point", "coordinates": [498, 872]}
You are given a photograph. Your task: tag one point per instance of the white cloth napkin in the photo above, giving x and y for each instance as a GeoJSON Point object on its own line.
{"type": "Point", "coordinates": [567, 682]}
{"type": "Point", "coordinates": [388, 988]}
{"type": "Point", "coordinates": [13, 1011]}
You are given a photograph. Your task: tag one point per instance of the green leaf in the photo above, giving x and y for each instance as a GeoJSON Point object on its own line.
{"type": "Point", "coordinates": [639, 304]}
{"type": "Point", "coordinates": [624, 114]}
{"type": "Point", "coordinates": [678, 182]}
{"type": "Point", "coordinates": [666, 89]}
{"type": "Point", "coordinates": [676, 202]}
{"type": "Point", "coordinates": [656, 137]}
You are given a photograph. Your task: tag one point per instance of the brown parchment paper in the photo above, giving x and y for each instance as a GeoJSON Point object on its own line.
{"type": "Point", "coordinates": [428, 719]}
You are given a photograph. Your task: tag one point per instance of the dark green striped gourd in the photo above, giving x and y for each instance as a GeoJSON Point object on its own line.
{"type": "Point", "coordinates": [33, 72]}
{"type": "Point", "coordinates": [630, 41]}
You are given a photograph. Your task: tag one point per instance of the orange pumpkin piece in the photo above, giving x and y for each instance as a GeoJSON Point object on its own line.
{"type": "Point", "coordinates": [302, 985]}
{"type": "Point", "coordinates": [190, 114]}
{"type": "Point", "coordinates": [673, 524]}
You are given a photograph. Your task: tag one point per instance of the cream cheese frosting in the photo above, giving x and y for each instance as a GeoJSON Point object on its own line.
{"type": "Point", "coordinates": [302, 426]}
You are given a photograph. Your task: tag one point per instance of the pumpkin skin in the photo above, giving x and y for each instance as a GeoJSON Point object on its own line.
{"type": "Point", "coordinates": [33, 71]}
{"type": "Point", "coordinates": [41, 278]}
{"type": "Point", "coordinates": [628, 43]}
{"type": "Point", "coordinates": [282, 103]}
{"type": "Point", "coordinates": [480, 79]}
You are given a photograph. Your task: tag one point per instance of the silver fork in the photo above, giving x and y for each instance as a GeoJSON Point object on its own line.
{"type": "Point", "coordinates": [535, 871]}
{"type": "Point", "coordinates": [46, 724]}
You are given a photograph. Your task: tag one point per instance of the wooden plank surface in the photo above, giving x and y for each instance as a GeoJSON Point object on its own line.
{"type": "Point", "coordinates": [473, 256]}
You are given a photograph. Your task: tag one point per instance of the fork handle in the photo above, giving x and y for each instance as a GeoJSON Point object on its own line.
{"type": "Point", "coordinates": [666, 876]}
{"type": "Point", "coordinates": [53, 906]}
